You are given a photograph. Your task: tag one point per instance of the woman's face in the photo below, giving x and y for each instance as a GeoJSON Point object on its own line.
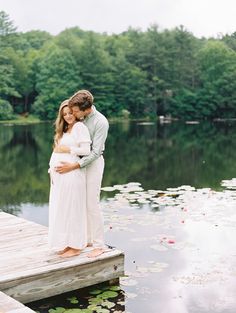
{"type": "Point", "coordinates": [68, 115]}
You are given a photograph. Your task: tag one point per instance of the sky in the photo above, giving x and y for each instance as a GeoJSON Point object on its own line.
{"type": "Point", "coordinates": [204, 18]}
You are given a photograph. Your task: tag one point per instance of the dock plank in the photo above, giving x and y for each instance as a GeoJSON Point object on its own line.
{"type": "Point", "coordinates": [10, 305]}
{"type": "Point", "coordinates": [29, 271]}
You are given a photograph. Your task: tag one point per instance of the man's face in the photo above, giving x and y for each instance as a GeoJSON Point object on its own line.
{"type": "Point", "coordinates": [78, 113]}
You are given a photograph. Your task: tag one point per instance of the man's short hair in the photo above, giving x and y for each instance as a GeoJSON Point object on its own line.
{"type": "Point", "coordinates": [82, 99]}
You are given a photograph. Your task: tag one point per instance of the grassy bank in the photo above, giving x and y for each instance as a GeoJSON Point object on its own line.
{"type": "Point", "coordinates": [30, 119]}
{"type": "Point", "coordinates": [19, 119]}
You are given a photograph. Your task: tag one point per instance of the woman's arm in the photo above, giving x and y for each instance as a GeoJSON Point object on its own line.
{"type": "Point", "coordinates": [82, 139]}
{"type": "Point", "coordinates": [83, 149]}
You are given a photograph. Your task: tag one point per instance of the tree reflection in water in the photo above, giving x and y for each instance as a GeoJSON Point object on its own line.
{"type": "Point", "coordinates": [157, 156]}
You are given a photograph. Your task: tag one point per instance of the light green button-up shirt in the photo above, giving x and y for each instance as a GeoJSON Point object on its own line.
{"type": "Point", "coordinates": [98, 129]}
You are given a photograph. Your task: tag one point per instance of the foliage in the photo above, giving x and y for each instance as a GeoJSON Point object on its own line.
{"type": "Point", "coordinates": [54, 81]}
{"type": "Point", "coordinates": [146, 73]}
{"type": "Point", "coordinates": [6, 110]}
{"type": "Point", "coordinates": [6, 25]}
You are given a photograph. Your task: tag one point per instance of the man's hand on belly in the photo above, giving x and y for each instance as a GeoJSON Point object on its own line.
{"type": "Point", "coordinates": [66, 167]}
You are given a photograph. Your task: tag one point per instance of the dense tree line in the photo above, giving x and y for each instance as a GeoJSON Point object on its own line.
{"type": "Point", "coordinates": [144, 73]}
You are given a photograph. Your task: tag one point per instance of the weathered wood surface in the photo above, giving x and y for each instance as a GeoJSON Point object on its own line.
{"type": "Point", "coordinates": [9, 305]}
{"type": "Point", "coordinates": [29, 271]}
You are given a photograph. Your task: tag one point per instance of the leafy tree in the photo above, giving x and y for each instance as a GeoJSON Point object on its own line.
{"type": "Point", "coordinates": [56, 80]}
{"type": "Point", "coordinates": [36, 38]}
{"type": "Point", "coordinates": [129, 86]}
{"type": "Point", "coordinates": [230, 40]}
{"type": "Point", "coordinates": [96, 71]}
{"type": "Point", "coordinates": [149, 72]}
{"type": "Point", "coordinates": [6, 110]}
{"type": "Point", "coordinates": [217, 64]}
{"type": "Point", "coordinates": [6, 25]}
{"type": "Point", "coordinates": [7, 87]}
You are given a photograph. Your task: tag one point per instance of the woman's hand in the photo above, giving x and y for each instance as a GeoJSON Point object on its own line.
{"type": "Point", "coordinates": [61, 149]}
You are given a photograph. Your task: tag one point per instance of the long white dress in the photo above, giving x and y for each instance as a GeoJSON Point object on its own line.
{"type": "Point", "coordinates": [67, 199]}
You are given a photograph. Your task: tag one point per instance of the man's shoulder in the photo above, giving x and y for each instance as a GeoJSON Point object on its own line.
{"type": "Point", "coordinates": [101, 119]}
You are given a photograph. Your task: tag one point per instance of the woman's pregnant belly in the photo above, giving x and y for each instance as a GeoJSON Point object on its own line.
{"type": "Point", "coordinates": [57, 158]}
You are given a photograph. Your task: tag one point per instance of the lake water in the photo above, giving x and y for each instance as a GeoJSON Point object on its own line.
{"type": "Point", "coordinates": [176, 251]}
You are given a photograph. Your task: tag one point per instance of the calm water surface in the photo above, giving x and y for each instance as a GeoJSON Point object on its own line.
{"type": "Point", "coordinates": [158, 157]}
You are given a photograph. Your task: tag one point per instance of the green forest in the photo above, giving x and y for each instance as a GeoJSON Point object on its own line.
{"type": "Point", "coordinates": [133, 74]}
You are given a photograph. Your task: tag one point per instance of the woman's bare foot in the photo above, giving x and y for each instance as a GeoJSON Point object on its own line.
{"type": "Point", "coordinates": [63, 251]}
{"type": "Point", "coordinates": [95, 252]}
{"type": "Point", "coordinates": [71, 252]}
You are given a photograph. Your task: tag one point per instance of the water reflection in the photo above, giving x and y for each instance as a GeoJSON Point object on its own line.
{"type": "Point", "coordinates": [158, 156]}
{"type": "Point", "coordinates": [187, 273]}
{"type": "Point", "coordinates": [186, 276]}
{"type": "Point", "coordinates": [24, 159]}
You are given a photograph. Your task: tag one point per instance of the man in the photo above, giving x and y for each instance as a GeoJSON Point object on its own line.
{"type": "Point", "coordinates": [82, 105]}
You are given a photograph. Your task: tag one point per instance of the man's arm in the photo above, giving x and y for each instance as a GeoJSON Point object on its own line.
{"type": "Point", "coordinates": [98, 142]}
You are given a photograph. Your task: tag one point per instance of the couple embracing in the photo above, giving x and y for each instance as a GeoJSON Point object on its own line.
{"type": "Point", "coordinates": [76, 169]}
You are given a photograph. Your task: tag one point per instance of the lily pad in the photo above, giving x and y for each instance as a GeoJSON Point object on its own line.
{"type": "Point", "coordinates": [107, 294]}
{"type": "Point", "coordinates": [57, 310]}
{"type": "Point", "coordinates": [108, 189]}
{"type": "Point", "coordinates": [108, 304]}
{"type": "Point", "coordinates": [95, 301]}
{"type": "Point", "coordinates": [73, 300]}
{"type": "Point", "coordinates": [114, 288]}
{"type": "Point", "coordinates": [95, 291]}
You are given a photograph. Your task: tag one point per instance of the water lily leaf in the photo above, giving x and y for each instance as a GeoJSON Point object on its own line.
{"type": "Point", "coordinates": [133, 184]}
{"type": "Point", "coordinates": [95, 301]}
{"type": "Point", "coordinates": [121, 302]}
{"type": "Point", "coordinates": [92, 307]}
{"type": "Point", "coordinates": [119, 187]}
{"type": "Point", "coordinates": [108, 188]}
{"type": "Point", "coordinates": [73, 300]}
{"type": "Point", "coordinates": [143, 201]}
{"type": "Point", "coordinates": [108, 304]}
{"type": "Point", "coordinates": [57, 310]}
{"type": "Point", "coordinates": [114, 288]}
{"type": "Point", "coordinates": [108, 294]}
{"type": "Point", "coordinates": [95, 291]}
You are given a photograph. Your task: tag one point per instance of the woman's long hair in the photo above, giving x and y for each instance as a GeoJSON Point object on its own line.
{"type": "Point", "coordinates": [60, 124]}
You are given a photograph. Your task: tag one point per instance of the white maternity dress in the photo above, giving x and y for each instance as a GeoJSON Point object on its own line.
{"type": "Point", "coordinates": [67, 200]}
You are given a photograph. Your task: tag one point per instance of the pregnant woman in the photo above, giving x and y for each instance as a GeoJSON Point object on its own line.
{"type": "Point", "coordinates": [67, 200]}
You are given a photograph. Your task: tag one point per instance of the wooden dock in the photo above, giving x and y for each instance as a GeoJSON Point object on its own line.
{"type": "Point", "coordinates": [9, 305]}
{"type": "Point", "coordinates": [29, 271]}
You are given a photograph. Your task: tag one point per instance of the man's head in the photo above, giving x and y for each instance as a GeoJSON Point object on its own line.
{"type": "Point", "coordinates": [81, 103]}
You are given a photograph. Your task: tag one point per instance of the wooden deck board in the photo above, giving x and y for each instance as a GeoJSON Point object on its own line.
{"type": "Point", "coordinates": [30, 271]}
{"type": "Point", "coordinates": [10, 305]}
